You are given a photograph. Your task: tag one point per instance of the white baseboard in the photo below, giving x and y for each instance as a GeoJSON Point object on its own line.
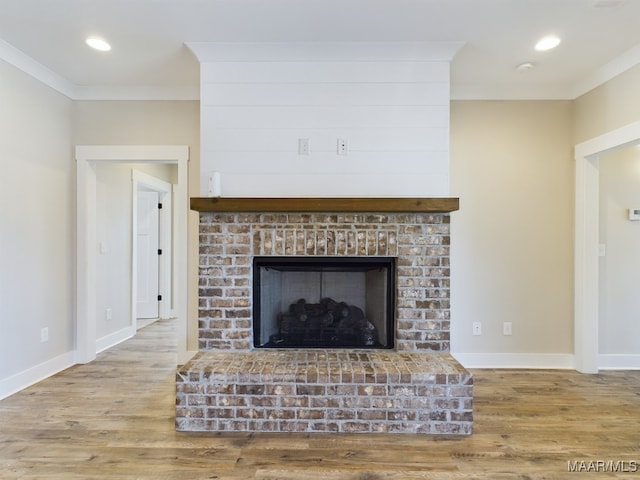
{"type": "Point", "coordinates": [561, 361]}
{"type": "Point", "coordinates": [618, 362]}
{"type": "Point", "coordinates": [33, 375]}
{"type": "Point", "coordinates": [145, 322]}
{"type": "Point", "coordinates": [114, 338]}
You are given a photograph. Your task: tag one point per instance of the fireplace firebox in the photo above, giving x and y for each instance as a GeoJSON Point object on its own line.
{"type": "Point", "coordinates": [323, 302]}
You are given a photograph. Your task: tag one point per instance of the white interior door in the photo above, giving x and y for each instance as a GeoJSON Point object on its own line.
{"type": "Point", "coordinates": [147, 305]}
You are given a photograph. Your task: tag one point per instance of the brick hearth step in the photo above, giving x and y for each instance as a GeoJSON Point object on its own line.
{"type": "Point", "coordinates": [317, 390]}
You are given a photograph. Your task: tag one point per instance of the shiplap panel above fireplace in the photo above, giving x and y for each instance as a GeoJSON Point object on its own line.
{"type": "Point", "coordinates": [389, 101]}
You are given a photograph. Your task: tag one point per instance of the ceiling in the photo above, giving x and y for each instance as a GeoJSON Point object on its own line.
{"type": "Point", "coordinates": [600, 38]}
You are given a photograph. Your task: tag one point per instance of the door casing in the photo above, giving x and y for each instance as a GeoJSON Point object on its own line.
{"type": "Point", "coordinates": [586, 241]}
{"type": "Point", "coordinates": [87, 156]}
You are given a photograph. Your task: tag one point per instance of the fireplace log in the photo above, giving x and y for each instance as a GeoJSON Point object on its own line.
{"type": "Point", "coordinates": [339, 310]}
{"type": "Point", "coordinates": [354, 318]}
{"type": "Point", "coordinates": [299, 309]}
{"type": "Point", "coordinates": [369, 335]}
{"type": "Point", "coordinates": [285, 322]}
{"type": "Point", "coordinates": [328, 323]}
{"type": "Point", "coordinates": [327, 319]}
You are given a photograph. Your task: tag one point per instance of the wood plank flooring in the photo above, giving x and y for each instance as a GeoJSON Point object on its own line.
{"type": "Point", "coordinates": [114, 419]}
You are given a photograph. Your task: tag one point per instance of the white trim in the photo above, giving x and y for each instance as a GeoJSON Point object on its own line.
{"type": "Point", "coordinates": [610, 70]}
{"type": "Point", "coordinates": [115, 338]}
{"type": "Point", "coordinates": [586, 264]}
{"type": "Point", "coordinates": [512, 91]}
{"type": "Point", "coordinates": [28, 65]}
{"type": "Point", "coordinates": [619, 362]}
{"type": "Point", "coordinates": [86, 158]}
{"type": "Point", "coordinates": [324, 51]}
{"type": "Point", "coordinates": [586, 292]}
{"type": "Point", "coordinates": [35, 374]}
{"type": "Point", "coordinates": [137, 92]}
{"type": "Point", "coordinates": [538, 91]}
{"type": "Point", "coordinates": [219, 51]}
{"type": "Point", "coordinates": [616, 139]}
{"type": "Point", "coordinates": [174, 287]}
{"type": "Point", "coordinates": [516, 360]}
{"type": "Point", "coordinates": [86, 208]}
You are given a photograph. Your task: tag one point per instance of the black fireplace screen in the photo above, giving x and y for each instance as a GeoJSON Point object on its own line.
{"type": "Point", "coordinates": [323, 302]}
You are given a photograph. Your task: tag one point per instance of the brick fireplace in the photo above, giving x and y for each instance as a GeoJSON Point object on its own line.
{"type": "Point", "coordinates": [417, 387]}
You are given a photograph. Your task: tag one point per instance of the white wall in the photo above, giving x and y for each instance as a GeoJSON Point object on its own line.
{"type": "Point", "coordinates": [36, 233]}
{"type": "Point", "coordinates": [391, 105]}
{"type": "Point", "coordinates": [619, 328]}
{"type": "Point", "coordinates": [512, 239]}
{"type": "Point", "coordinates": [114, 231]}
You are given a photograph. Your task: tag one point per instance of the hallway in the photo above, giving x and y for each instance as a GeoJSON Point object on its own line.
{"type": "Point", "coordinates": [114, 419]}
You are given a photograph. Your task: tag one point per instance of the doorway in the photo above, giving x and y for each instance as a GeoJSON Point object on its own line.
{"type": "Point", "coordinates": [152, 228]}
{"type": "Point", "coordinates": [587, 239]}
{"type": "Point", "coordinates": [619, 265]}
{"type": "Point", "coordinates": [87, 157]}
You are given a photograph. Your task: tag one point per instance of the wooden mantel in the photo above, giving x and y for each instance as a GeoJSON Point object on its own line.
{"type": "Point", "coordinates": [304, 204]}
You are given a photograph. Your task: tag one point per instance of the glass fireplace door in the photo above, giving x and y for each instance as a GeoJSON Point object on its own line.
{"type": "Point", "coordinates": [324, 302]}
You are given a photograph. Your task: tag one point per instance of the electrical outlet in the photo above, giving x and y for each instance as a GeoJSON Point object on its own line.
{"type": "Point", "coordinates": [44, 335]}
{"type": "Point", "coordinates": [108, 314]}
{"type": "Point", "coordinates": [477, 328]}
{"type": "Point", "coordinates": [506, 328]}
{"type": "Point", "coordinates": [303, 146]}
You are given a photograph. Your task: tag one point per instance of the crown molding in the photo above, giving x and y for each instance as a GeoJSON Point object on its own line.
{"type": "Point", "coordinates": [137, 92]}
{"type": "Point", "coordinates": [319, 51]}
{"type": "Point", "coordinates": [324, 51]}
{"type": "Point", "coordinates": [531, 91]}
{"type": "Point", "coordinates": [602, 75]}
{"type": "Point", "coordinates": [31, 67]}
{"type": "Point", "coordinates": [28, 65]}
{"type": "Point", "coordinates": [615, 67]}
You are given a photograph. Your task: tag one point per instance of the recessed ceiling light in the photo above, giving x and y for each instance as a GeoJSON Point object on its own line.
{"type": "Point", "coordinates": [98, 44]}
{"type": "Point", "coordinates": [547, 43]}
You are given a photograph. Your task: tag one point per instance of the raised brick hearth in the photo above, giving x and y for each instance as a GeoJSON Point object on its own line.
{"type": "Point", "coordinates": [415, 388]}
{"type": "Point", "coordinates": [316, 390]}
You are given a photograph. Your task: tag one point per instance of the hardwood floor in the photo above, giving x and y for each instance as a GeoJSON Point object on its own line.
{"type": "Point", "coordinates": [114, 419]}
